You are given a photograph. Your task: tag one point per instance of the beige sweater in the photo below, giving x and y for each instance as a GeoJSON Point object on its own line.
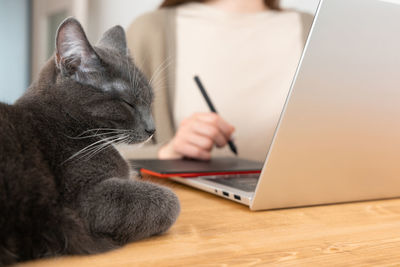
{"type": "Point", "coordinates": [166, 45]}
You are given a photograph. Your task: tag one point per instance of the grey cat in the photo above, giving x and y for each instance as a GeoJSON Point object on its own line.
{"type": "Point", "coordinates": [64, 189]}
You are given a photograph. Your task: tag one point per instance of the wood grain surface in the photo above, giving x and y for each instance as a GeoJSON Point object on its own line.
{"type": "Point", "coordinates": [212, 231]}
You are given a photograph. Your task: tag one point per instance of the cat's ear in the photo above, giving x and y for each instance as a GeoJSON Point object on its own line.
{"type": "Point", "coordinates": [73, 50]}
{"type": "Point", "coordinates": [115, 39]}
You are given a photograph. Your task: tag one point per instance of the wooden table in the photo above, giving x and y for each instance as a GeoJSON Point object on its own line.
{"type": "Point", "coordinates": [212, 231]}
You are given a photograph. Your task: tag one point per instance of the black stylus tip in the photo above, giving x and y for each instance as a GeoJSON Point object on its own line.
{"type": "Point", "coordinates": [233, 147]}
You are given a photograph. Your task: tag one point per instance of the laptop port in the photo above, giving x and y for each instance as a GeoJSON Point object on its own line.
{"type": "Point", "coordinates": [237, 197]}
{"type": "Point", "coordinates": [225, 193]}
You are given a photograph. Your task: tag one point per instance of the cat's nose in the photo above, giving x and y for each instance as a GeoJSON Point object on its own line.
{"type": "Point", "coordinates": [150, 131]}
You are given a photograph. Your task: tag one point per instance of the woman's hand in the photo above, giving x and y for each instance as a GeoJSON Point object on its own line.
{"type": "Point", "coordinates": [196, 136]}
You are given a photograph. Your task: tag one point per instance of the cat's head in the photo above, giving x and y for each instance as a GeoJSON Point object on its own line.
{"type": "Point", "coordinates": [101, 84]}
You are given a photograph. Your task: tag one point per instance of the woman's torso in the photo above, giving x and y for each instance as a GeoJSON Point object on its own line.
{"type": "Point", "coordinates": [246, 62]}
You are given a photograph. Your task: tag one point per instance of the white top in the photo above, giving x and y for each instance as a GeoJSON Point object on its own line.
{"type": "Point", "coordinates": [246, 63]}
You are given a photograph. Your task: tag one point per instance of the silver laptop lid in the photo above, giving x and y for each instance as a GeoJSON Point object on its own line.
{"type": "Point", "coordinates": [338, 139]}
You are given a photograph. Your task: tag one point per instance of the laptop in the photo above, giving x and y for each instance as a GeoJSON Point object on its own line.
{"type": "Point", "coordinates": [338, 137]}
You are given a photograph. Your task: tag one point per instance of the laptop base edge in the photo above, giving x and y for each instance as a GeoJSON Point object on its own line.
{"type": "Point", "coordinates": [226, 192]}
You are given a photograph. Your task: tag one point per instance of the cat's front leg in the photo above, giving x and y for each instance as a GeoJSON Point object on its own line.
{"type": "Point", "coordinates": [128, 210]}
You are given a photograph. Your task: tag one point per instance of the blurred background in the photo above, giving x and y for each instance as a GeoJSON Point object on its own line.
{"type": "Point", "coordinates": [28, 27]}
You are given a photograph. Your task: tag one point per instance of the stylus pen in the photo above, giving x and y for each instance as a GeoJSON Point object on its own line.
{"type": "Point", "coordinates": [212, 108]}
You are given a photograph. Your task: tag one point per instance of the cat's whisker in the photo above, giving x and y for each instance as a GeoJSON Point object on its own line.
{"type": "Point", "coordinates": [135, 76]}
{"type": "Point", "coordinates": [129, 72]}
{"type": "Point", "coordinates": [157, 75]}
{"type": "Point", "coordinates": [104, 146]}
{"type": "Point", "coordinates": [94, 135]}
{"type": "Point", "coordinates": [162, 67]}
{"type": "Point", "coordinates": [144, 142]}
{"type": "Point", "coordinates": [159, 85]}
{"type": "Point", "coordinates": [97, 147]}
{"type": "Point", "coordinates": [84, 150]}
{"type": "Point", "coordinates": [96, 130]}
{"type": "Point", "coordinates": [159, 70]}
{"type": "Point", "coordinates": [104, 129]}
{"type": "Point", "coordinates": [157, 80]}
{"type": "Point", "coordinates": [124, 141]}
{"type": "Point", "coordinates": [101, 145]}
{"type": "Point", "coordinates": [90, 152]}
{"type": "Point", "coordinates": [116, 131]}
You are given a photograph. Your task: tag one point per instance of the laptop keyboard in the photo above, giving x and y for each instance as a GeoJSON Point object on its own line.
{"type": "Point", "coordinates": [244, 182]}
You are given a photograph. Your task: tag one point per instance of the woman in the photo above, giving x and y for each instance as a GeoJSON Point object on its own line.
{"type": "Point", "coordinates": [245, 52]}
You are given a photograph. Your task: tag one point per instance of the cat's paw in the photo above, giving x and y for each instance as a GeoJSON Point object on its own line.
{"type": "Point", "coordinates": [167, 207]}
{"type": "Point", "coordinates": [127, 210]}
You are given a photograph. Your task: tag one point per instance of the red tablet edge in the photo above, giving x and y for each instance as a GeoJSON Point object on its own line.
{"type": "Point", "coordinates": [194, 174]}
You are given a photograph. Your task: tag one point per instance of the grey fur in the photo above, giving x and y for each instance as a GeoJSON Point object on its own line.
{"type": "Point", "coordinates": [54, 200]}
{"type": "Point", "coordinates": [114, 38]}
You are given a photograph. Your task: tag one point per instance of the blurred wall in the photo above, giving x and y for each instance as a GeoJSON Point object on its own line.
{"type": "Point", "coordinates": [14, 48]}
{"type": "Point", "coordinates": [309, 6]}
{"type": "Point", "coordinates": [103, 14]}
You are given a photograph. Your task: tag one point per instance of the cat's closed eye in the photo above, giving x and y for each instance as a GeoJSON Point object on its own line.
{"type": "Point", "coordinates": [128, 104]}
